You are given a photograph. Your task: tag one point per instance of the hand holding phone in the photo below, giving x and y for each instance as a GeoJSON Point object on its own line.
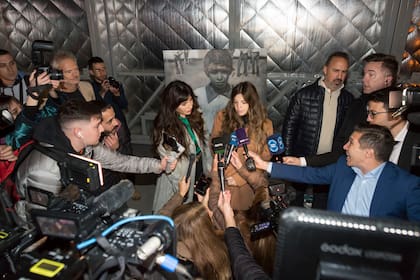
{"type": "Point", "coordinates": [202, 185]}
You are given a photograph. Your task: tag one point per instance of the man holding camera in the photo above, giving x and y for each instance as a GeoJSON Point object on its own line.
{"type": "Point", "coordinates": [107, 88]}
{"type": "Point", "coordinates": [70, 86]}
{"type": "Point", "coordinates": [12, 81]}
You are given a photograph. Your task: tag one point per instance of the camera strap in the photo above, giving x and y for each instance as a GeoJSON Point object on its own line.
{"type": "Point", "coordinates": [30, 90]}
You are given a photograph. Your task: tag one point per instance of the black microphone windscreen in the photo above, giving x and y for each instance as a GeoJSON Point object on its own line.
{"type": "Point", "coordinates": [113, 198]}
{"type": "Point", "coordinates": [218, 145]}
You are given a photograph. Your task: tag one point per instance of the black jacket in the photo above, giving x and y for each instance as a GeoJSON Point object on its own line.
{"type": "Point", "coordinates": [243, 264]}
{"type": "Point", "coordinates": [411, 139]}
{"type": "Point", "coordinates": [355, 114]}
{"type": "Point", "coordinates": [302, 125]}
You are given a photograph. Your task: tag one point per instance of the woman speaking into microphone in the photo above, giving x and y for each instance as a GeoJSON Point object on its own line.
{"type": "Point", "coordinates": [245, 112]}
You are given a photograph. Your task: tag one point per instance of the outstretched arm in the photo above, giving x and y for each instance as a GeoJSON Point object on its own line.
{"type": "Point", "coordinates": [243, 264]}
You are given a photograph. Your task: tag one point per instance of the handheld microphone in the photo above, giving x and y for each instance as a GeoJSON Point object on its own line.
{"type": "Point", "coordinates": [110, 200]}
{"type": "Point", "coordinates": [159, 238]}
{"type": "Point", "coordinates": [175, 150]}
{"type": "Point", "coordinates": [219, 149]}
{"type": "Point", "coordinates": [275, 146]}
{"type": "Point", "coordinates": [243, 140]}
{"type": "Point", "coordinates": [233, 144]}
{"type": "Point", "coordinates": [218, 146]}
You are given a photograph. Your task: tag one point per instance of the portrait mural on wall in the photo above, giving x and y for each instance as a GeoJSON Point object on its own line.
{"type": "Point", "coordinates": [212, 74]}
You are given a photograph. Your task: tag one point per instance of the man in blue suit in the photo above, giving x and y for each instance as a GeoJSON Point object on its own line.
{"type": "Point", "coordinates": [363, 182]}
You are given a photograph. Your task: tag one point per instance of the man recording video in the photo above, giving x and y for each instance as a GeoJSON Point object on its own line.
{"type": "Point", "coordinates": [76, 130]}
{"type": "Point", "coordinates": [405, 133]}
{"type": "Point", "coordinates": [70, 87]}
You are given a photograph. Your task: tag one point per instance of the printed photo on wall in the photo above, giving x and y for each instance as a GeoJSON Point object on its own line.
{"type": "Point", "coordinates": [212, 74]}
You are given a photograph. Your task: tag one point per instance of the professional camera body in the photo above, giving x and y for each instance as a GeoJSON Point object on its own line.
{"type": "Point", "coordinates": [113, 82]}
{"type": "Point", "coordinates": [89, 237]}
{"type": "Point", "coordinates": [280, 198]}
{"type": "Point", "coordinates": [406, 100]}
{"type": "Point", "coordinates": [40, 50]}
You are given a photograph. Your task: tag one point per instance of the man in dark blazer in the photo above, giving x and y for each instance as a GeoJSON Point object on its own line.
{"type": "Point", "coordinates": [364, 182]}
{"type": "Point", "coordinates": [405, 134]}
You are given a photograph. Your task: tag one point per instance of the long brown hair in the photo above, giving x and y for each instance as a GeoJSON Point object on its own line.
{"type": "Point", "coordinates": [254, 119]}
{"type": "Point", "coordinates": [195, 229]}
{"type": "Point", "coordinates": [167, 120]}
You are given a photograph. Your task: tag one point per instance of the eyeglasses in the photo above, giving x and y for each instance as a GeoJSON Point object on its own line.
{"type": "Point", "coordinates": [374, 113]}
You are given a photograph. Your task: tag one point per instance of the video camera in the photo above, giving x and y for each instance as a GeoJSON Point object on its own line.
{"type": "Point", "coordinates": [280, 198]}
{"type": "Point", "coordinates": [40, 49]}
{"type": "Point", "coordinates": [406, 100]}
{"type": "Point", "coordinates": [95, 237]}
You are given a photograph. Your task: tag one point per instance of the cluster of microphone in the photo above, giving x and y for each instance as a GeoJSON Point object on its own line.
{"type": "Point", "coordinates": [224, 147]}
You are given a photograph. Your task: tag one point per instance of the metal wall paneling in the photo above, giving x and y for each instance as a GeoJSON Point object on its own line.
{"type": "Point", "coordinates": [131, 34]}
{"type": "Point", "coordinates": [62, 21]}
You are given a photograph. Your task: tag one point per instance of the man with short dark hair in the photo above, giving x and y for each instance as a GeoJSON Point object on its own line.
{"type": "Point", "coordinates": [405, 134]}
{"type": "Point", "coordinates": [363, 183]}
{"type": "Point", "coordinates": [316, 112]}
{"type": "Point", "coordinates": [12, 81]}
{"type": "Point", "coordinates": [109, 92]}
{"type": "Point", "coordinates": [314, 116]}
{"type": "Point", "coordinates": [116, 138]}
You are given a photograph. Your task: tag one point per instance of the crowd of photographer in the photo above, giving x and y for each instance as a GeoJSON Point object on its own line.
{"type": "Point", "coordinates": [56, 129]}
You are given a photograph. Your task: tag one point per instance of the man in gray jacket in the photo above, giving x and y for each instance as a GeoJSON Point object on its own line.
{"type": "Point", "coordinates": [76, 130]}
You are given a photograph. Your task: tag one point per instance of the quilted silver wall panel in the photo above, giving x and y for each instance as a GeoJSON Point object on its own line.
{"type": "Point", "coordinates": [298, 34]}
{"type": "Point", "coordinates": [131, 34]}
{"type": "Point", "coordinates": [62, 21]}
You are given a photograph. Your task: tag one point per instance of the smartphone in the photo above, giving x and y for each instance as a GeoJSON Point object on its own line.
{"type": "Point", "coordinates": [202, 185]}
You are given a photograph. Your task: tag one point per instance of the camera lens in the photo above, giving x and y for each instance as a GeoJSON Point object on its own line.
{"type": "Point", "coordinates": [56, 74]}
{"type": "Point", "coordinates": [113, 83]}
